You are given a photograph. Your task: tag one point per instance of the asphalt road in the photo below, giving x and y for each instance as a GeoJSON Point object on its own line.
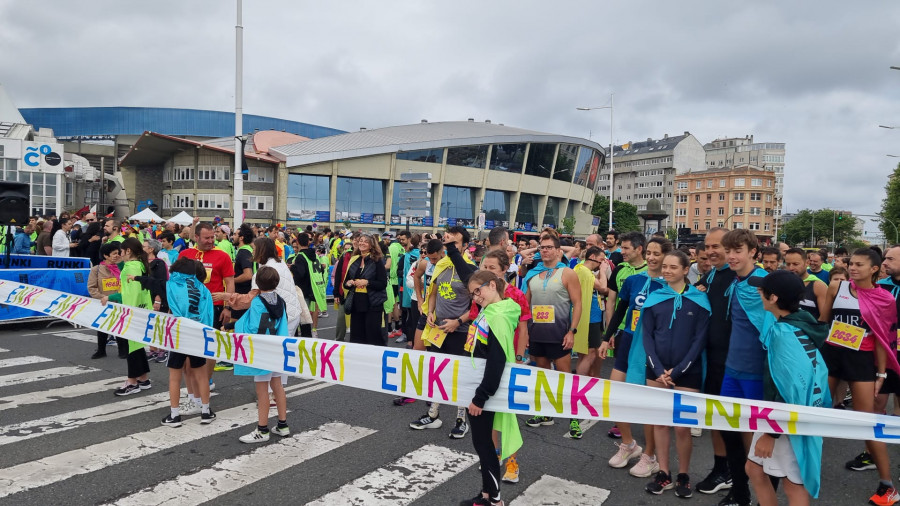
{"type": "Point", "coordinates": [66, 439]}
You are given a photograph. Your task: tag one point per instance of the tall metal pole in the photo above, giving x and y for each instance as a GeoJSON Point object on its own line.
{"type": "Point", "coordinates": [812, 232]}
{"type": "Point", "coordinates": [833, 213]}
{"type": "Point", "coordinates": [237, 199]}
{"type": "Point", "coordinates": [612, 167]}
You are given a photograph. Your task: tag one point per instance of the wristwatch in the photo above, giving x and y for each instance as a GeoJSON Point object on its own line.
{"type": "Point", "coordinates": [573, 331]}
{"type": "Point", "coordinates": [520, 358]}
{"type": "Point", "coordinates": [460, 321]}
{"type": "Point", "coordinates": [882, 375]}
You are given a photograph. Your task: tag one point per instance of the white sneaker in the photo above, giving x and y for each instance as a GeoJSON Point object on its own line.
{"type": "Point", "coordinates": [625, 454]}
{"type": "Point", "coordinates": [281, 431]}
{"type": "Point", "coordinates": [255, 437]}
{"type": "Point", "coordinates": [645, 468]}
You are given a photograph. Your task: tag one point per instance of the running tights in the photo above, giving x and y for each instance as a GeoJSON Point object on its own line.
{"type": "Point", "coordinates": [736, 454]}
{"type": "Point", "coordinates": [481, 427]}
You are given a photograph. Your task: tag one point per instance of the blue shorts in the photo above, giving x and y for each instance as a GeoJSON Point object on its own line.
{"type": "Point", "coordinates": [623, 347]}
{"type": "Point", "coordinates": [742, 388]}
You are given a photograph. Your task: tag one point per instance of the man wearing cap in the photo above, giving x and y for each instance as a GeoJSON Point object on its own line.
{"type": "Point", "coordinates": [794, 373]}
{"type": "Point", "coordinates": [223, 241]}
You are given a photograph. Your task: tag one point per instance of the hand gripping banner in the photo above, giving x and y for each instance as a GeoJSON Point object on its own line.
{"type": "Point", "coordinates": [450, 379]}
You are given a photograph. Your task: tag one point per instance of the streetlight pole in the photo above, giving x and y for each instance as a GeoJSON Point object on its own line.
{"type": "Point", "coordinates": [833, 213]}
{"type": "Point", "coordinates": [612, 166]}
{"type": "Point", "coordinates": [237, 200]}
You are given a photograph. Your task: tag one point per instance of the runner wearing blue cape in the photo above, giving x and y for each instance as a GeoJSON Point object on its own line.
{"type": "Point", "coordinates": [669, 340]}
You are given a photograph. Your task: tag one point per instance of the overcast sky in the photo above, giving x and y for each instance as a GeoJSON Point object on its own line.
{"type": "Point", "coordinates": [814, 75]}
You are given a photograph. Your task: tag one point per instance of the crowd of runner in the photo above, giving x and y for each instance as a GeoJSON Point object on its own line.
{"type": "Point", "coordinates": [725, 317]}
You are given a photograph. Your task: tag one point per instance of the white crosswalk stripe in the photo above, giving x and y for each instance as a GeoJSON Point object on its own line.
{"type": "Point", "coordinates": [45, 471]}
{"type": "Point", "coordinates": [3, 350]}
{"type": "Point", "coordinates": [77, 336]}
{"type": "Point", "coordinates": [235, 473]}
{"type": "Point", "coordinates": [13, 362]}
{"type": "Point", "coordinates": [553, 490]}
{"type": "Point", "coordinates": [44, 374]}
{"type": "Point", "coordinates": [402, 481]}
{"type": "Point", "coordinates": [66, 392]}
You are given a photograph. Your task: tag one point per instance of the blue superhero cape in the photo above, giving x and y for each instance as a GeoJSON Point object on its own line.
{"type": "Point", "coordinates": [539, 268]}
{"type": "Point", "coordinates": [249, 324]}
{"type": "Point", "coordinates": [411, 258]}
{"type": "Point", "coordinates": [637, 357]}
{"type": "Point", "coordinates": [889, 284]}
{"type": "Point", "coordinates": [797, 378]}
{"type": "Point", "coordinates": [749, 299]}
{"type": "Point", "coordinates": [188, 297]}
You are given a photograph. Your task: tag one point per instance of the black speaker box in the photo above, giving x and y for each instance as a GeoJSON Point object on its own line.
{"type": "Point", "coordinates": [13, 204]}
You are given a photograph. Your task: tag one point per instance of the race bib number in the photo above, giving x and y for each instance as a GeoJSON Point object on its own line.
{"type": "Point", "coordinates": [109, 284]}
{"type": "Point", "coordinates": [361, 289]}
{"type": "Point", "coordinates": [208, 275]}
{"type": "Point", "coordinates": [543, 314]}
{"type": "Point", "coordinates": [848, 336]}
{"type": "Point", "coordinates": [470, 338]}
{"type": "Point", "coordinates": [635, 316]}
{"type": "Point", "coordinates": [435, 338]}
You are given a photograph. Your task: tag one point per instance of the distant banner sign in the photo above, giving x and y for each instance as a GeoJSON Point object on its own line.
{"type": "Point", "coordinates": [45, 262]}
{"type": "Point", "coordinates": [450, 379]}
{"type": "Point", "coordinates": [65, 280]}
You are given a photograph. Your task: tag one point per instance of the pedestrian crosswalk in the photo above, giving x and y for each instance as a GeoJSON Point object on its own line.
{"type": "Point", "coordinates": [61, 427]}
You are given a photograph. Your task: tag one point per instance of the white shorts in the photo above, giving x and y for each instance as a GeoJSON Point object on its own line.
{"type": "Point", "coordinates": [782, 463]}
{"type": "Point", "coordinates": [265, 378]}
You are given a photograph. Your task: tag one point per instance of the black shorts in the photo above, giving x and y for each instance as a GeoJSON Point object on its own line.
{"type": "Point", "coordinates": [623, 347]}
{"type": "Point", "coordinates": [693, 378]}
{"type": "Point", "coordinates": [595, 335]}
{"type": "Point", "coordinates": [423, 320]}
{"type": "Point", "coordinates": [176, 361]}
{"type": "Point", "coordinates": [551, 351]}
{"type": "Point", "coordinates": [454, 344]}
{"type": "Point", "coordinates": [849, 365]}
{"type": "Point", "coordinates": [396, 293]}
{"type": "Point", "coordinates": [715, 373]}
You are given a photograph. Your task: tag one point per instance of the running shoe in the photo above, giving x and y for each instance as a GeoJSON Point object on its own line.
{"type": "Point", "coordinates": [511, 475]}
{"type": "Point", "coordinates": [323, 314]}
{"type": "Point", "coordinates": [281, 431]}
{"type": "Point", "coordinates": [862, 462]}
{"type": "Point", "coordinates": [426, 422]}
{"type": "Point", "coordinates": [884, 496]}
{"type": "Point", "coordinates": [401, 339]}
{"type": "Point", "coordinates": [315, 333]}
{"type": "Point", "coordinates": [212, 385]}
{"type": "Point", "coordinates": [646, 467]}
{"type": "Point", "coordinates": [731, 500]}
{"type": "Point", "coordinates": [111, 341]}
{"type": "Point", "coordinates": [255, 437]}
{"type": "Point", "coordinates": [683, 486]}
{"type": "Point", "coordinates": [98, 354]}
{"type": "Point", "coordinates": [480, 501]}
{"type": "Point", "coordinates": [575, 429]}
{"type": "Point", "coordinates": [172, 421]}
{"type": "Point", "coordinates": [127, 389]}
{"type": "Point", "coordinates": [538, 420]}
{"type": "Point", "coordinates": [660, 483]}
{"type": "Point", "coordinates": [206, 418]}
{"type": "Point", "coordinates": [614, 432]}
{"type": "Point", "coordinates": [145, 385]}
{"type": "Point", "coordinates": [716, 480]}
{"type": "Point", "coordinates": [223, 366]}
{"type": "Point", "coordinates": [459, 430]}
{"type": "Point", "coordinates": [403, 401]}
{"type": "Point", "coordinates": [624, 455]}
{"type": "Point", "coordinates": [162, 356]}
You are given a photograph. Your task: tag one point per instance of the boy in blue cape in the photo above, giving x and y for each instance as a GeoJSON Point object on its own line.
{"type": "Point", "coordinates": [796, 374]}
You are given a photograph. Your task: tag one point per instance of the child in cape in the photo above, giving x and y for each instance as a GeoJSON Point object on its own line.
{"type": "Point", "coordinates": [267, 315]}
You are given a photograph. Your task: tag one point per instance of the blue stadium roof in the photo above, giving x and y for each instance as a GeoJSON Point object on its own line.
{"type": "Point", "coordinates": [74, 121]}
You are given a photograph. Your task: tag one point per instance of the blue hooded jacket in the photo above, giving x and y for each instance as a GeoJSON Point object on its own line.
{"type": "Point", "coordinates": [188, 297]}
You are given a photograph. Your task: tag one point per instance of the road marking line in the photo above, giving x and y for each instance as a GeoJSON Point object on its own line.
{"type": "Point", "coordinates": [3, 350]}
{"type": "Point", "coordinates": [232, 474]}
{"type": "Point", "coordinates": [77, 336]}
{"type": "Point", "coordinates": [404, 480]}
{"type": "Point", "coordinates": [585, 425]}
{"type": "Point", "coordinates": [13, 362]}
{"type": "Point", "coordinates": [44, 374]}
{"type": "Point", "coordinates": [552, 490]}
{"type": "Point", "coordinates": [62, 466]}
{"type": "Point", "coordinates": [66, 392]}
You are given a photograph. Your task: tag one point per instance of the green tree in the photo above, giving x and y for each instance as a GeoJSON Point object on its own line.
{"type": "Point", "coordinates": [890, 206]}
{"type": "Point", "coordinates": [814, 228]}
{"type": "Point", "coordinates": [568, 225]}
{"type": "Point", "coordinates": [625, 217]}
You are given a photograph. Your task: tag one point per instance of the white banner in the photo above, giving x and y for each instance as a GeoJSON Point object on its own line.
{"type": "Point", "coordinates": [450, 379]}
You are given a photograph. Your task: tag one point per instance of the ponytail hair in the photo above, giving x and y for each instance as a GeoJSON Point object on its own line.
{"type": "Point", "coordinates": [483, 276]}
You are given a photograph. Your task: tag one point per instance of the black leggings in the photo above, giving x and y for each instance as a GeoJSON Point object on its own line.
{"type": "Point", "coordinates": [736, 454]}
{"type": "Point", "coordinates": [481, 427]}
{"type": "Point", "coordinates": [137, 363]}
{"type": "Point", "coordinates": [102, 338]}
{"type": "Point", "coordinates": [365, 327]}
{"type": "Point", "coordinates": [409, 324]}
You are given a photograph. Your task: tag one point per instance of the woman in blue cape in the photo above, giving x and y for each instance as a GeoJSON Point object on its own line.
{"type": "Point", "coordinates": [670, 337]}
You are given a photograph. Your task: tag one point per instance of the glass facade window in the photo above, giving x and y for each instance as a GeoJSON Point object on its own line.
{"type": "Point", "coordinates": [43, 191]}
{"type": "Point", "coordinates": [468, 156]}
{"type": "Point", "coordinates": [496, 205]}
{"type": "Point", "coordinates": [308, 195]}
{"type": "Point", "coordinates": [425, 155]}
{"type": "Point", "coordinates": [540, 160]}
{"type": "Point", "coordinates": [360, 199]}
{"type": "Point", "coordinates": [588, 167]}
{"type": "Point", "coordinates": [508, 157]}
{"type": "Point", "coordinates": [565, 162]}
{"type": "Point", "coordinates": [551, 214]}
{"type": "Point", "coordinates": [458, 203]}
{"type": "Point", "coordinates": [526, 213]}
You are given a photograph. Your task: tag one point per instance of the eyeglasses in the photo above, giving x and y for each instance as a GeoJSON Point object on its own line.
{"type": "Point", "coordinates": [477, 292]}
{"type": "Point", "coordinates": [547, 248]}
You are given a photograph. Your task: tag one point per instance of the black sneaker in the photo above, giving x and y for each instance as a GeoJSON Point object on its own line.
{"type": "Point", "coordinates": [862, 462]}
{"type": "Point", "coordinates": [172, 422]}
{"type": "Point", "coordinates": [460, 430]}
{"type": "Point", "coordinates": [98, 354]}
{"type": "Point", "coordinates": [403, 401]}
{"type": "Point", "coordinates": [731, 500]}
{"type": "Point", "coordinates": [478, 501]}
{"type": "Point", "coordinates": [161, 357]}
{"type": "Point", "coordinates": [207, 417]}
{"type": "Point", "coordinates": [683, 486]}
{"type": "Point", "coordinates": [144, 385]}
{"type": "Point", "coordinates": [660, 483]}
{"type": "Point", "coordinates": [714, 481]}
{"type": "Point", "coordinates": [127, 389]}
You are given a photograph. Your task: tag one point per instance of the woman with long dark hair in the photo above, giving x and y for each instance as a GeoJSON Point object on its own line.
{"type": "Point", "coordinates": [366, 283]}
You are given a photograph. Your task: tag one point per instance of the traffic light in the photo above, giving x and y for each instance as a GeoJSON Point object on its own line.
{"type": "Point", "coordinates": [841, 216]}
